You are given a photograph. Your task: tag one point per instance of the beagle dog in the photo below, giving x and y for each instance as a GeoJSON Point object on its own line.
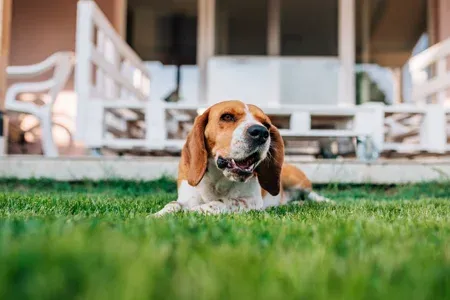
{"type": "Point", "coordinates": [233, 161]}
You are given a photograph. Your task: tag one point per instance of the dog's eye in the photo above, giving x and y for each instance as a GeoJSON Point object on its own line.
{"type": "Point", "coordinates": [227, 118]}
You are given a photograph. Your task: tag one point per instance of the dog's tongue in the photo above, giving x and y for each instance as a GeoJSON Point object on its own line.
{"type": "Point", "coordinates": [244, 164]}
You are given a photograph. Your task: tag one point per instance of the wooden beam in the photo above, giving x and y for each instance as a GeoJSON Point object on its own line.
{"type": "Point", "coordinates": [5, 31]}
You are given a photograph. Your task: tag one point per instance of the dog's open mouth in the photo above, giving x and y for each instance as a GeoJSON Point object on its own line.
{"type": "Point", "coordinates": [243, 166]}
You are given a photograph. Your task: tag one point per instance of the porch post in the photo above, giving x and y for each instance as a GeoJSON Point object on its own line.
{"type": "Point", "coordinates": [5, 30]}
{"type": "Point", "coordinates": [432, 16]}
{"type": "Point", "coordinates": [346, 52]}
{"type": "Point", "coordinates": [273, 30]}
{"type": "Point", "coordinates": [120, 16]}
{"type": "Point", "coordinates": [205, 43]}
{"type": "Point", "coordinates": [273, 49]}
{"type": "Point", "coordinates": [443, 20]}
{"type": "Point", "coordinates": [398, 85]}
{"type": "Point", "coordinates": [365, 43]}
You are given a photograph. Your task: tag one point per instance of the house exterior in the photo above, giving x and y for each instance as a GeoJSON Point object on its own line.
{"type": "Point", "coordinates": [274, 52]}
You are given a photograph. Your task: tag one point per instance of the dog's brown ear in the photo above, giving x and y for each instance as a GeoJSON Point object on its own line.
{"type": "Point", "coordinates": [269, 170]}
{"type": "Point", "coordinates": [194, 153]}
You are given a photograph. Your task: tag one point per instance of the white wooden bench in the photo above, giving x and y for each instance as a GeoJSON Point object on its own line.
{"type": "Point", "coordinates": [62, 64]}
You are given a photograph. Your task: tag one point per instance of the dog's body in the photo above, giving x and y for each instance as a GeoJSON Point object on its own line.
{"type": "Point", "coordinates": [233, 161]}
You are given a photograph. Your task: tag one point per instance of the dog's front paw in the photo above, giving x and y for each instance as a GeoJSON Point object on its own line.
{"type": "Point", "coordinates": [314, 197]}
{"type": "Point", "coordinates": [211, 208]}
{"type": "Point", "coordinates": [170, 208]}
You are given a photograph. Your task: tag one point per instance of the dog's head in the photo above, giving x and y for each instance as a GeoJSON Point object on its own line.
{"type": "Point", "coordinates": [242, 142]}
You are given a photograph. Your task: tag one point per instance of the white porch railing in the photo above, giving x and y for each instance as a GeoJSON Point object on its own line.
{"type": "Point", "coordinates": [112, 85]}
{"type": "Point", "coordinates": [411, 128]}
{"type": "Point", "coordinates": [431, 85]}
{"type": "Point", "coordinates": [352, 121]}
{"type": "Point", "coordinates": [430, 75]}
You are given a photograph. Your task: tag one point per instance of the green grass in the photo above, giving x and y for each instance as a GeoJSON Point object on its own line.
{"type": "Point", "coordinates": [94, 241]}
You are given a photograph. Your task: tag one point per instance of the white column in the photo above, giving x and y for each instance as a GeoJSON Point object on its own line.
{"type": "Point", "coordinates": [273, 49]}
{"type": "Point", "coordinates": [365, 43]}
{"type": "Point", "coordinates": [347, 52]}
{"type": "Point", "coordinates": [205, 43]}
{"type": "Point", "coordinates": [398, 78]}
{"type": "Point", "coordinates": [273, 27]}
{"type": "Point", "coordinates": [433, 137]}
{"type": "Point", "coordinates": [83, 70]}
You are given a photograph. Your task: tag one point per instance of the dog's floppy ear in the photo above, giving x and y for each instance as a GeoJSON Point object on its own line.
{"type": "Point", "coordinates": [194, 153]}
{"type": "Point", "coordinates": [269, 170]}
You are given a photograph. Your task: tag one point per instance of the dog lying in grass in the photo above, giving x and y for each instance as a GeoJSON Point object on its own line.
{"type": "Point", "coordinates": [233, 161]}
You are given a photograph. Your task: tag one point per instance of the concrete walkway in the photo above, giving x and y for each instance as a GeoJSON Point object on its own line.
{"type": "Point", "coordinates": [320, 171]}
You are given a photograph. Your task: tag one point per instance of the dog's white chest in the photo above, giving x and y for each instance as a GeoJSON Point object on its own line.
{"type": "Point", "coordinates": [215, 188]}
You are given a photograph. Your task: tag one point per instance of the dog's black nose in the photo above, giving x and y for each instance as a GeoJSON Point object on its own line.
{"type": "Point", "coordinates": [258, 133]}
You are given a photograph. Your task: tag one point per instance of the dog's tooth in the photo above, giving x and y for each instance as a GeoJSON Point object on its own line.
{"type": "Point", "coordinates": [233, 163]}
{"type": "Point", "coordinates": [249, 168]}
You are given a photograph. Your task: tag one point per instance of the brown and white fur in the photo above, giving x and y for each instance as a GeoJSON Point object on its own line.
{"type": "Point", "coordinates": [233, 161]}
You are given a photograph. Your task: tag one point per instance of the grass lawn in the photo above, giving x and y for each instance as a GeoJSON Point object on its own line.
{"type": "Point", "coordinates": [93, 241]}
